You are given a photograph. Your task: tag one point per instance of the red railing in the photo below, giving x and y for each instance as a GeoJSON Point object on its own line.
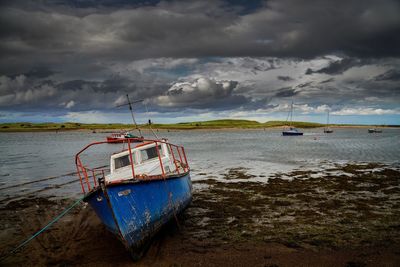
{"type": "Point", "coordinates": [88, 176]}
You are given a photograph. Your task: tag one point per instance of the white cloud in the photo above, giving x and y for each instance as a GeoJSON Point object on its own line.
{"type": "Point", "coordinates": [70, 104]}
{"type": "Point", "coordinates": [306, 109]}
{"type": "Point", "coordinates": [201, 91]}
{"type": "Point", "coordinates": [366, 111]}
{"type": "Point", "coordinates": [297, 109]}
{"type": "Point", "coordinates": [97, 117]}
{"type": "Point", "coordinates": [120, 100]}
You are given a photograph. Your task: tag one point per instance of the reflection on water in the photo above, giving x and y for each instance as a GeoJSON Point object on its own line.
{"type": "Point", "coordinates": [30, 156]}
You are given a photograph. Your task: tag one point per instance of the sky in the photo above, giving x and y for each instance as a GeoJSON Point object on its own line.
{"type": "Point", "coordinates": [200, 60]}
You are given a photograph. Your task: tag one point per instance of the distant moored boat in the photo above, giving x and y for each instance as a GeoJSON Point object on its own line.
{"type": "Point", "coordinates": [327, 129]}
{"type": "Point", "coordinates": [119, 137]}
{"type": "Point", "coordinates": [290, 130]}
{"type": "Point", "coordinates": [374, 130]}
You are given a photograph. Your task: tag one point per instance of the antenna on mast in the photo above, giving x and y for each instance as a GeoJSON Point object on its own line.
{"type": "Point", "coordinates": [130, 108]}
{"type": "Point", "coordinates": [148, 115]}
{"type": "Point", "coordinates": [291, 112]}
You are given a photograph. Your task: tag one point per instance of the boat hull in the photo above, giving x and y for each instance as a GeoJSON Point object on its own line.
{"type": "Point", "coordinates": [374, 131]}
{"type": "Point", "coordinates": [115, 140]}
{"type": "Point", "coordinates": [135, 211]}
{"type": "Point", "coordinates": [291, 133]}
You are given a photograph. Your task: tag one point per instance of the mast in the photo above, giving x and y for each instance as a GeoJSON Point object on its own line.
{"type": "Point", "coordinates": [131, 109]}
{"type": "Point", "coordinates": [148, 115]}
{"type": "Point", "coordinates": [133, 117]}
{"type": "Point", "coordinates": [327, 120]}
{"type": "Point", "coordinates": [291, 113]}
{"type": "Point", "coordinates": [289, 117]}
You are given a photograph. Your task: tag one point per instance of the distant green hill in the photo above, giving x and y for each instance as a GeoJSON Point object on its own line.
{"type": "Point", "coordinates": [50, 126]}
{"type": "Point", "coordinates": [218, 124]}
{"type": "Point", "coordinates": [213, 124]}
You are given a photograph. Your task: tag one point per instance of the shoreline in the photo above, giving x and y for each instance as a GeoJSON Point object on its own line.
{"type": "Point", "coordinates": [223, 124]}
{"type": "Point", "coordinates": [348, 217]}
{"type": "Point", "coordinates": [108, 130]}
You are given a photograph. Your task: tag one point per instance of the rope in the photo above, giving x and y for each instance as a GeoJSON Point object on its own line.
{"type": "Point", "coordinates": [41, 230]}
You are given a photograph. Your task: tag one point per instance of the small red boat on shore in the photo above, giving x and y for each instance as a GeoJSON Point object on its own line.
{"type": "Point", "coordinates": [119, 137]}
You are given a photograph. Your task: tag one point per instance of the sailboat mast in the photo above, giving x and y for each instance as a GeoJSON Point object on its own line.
{"type": "Point", "coordinates": [291, 112]}
{"type": "Point", "coordinates": [327, 121]}
{"type": "Point", "coordinates": [133, 117]}
{"type": "Point", "coordinates": [151, 129]}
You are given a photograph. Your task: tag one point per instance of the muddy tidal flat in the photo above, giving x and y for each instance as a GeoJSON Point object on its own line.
{"type": "Point", "coordinates": [346, 216]}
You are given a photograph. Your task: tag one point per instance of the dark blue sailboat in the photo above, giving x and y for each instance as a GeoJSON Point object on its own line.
{"type": "Point", "coordinates": [290, 130]}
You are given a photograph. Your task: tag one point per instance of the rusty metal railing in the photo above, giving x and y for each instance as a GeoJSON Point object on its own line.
{"type": "Point", "coordinates": [88, 176]}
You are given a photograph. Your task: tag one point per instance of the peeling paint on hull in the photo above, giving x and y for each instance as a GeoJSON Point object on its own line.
{"type": "Point", "coordinates": [136, 211]}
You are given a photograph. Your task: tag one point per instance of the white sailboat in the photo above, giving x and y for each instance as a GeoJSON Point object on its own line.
{"type": "Point", "coordinates": [327, 129]}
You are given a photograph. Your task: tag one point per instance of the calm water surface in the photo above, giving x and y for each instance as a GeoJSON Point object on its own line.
{"type": "Point", "coordinates": [30, 156]}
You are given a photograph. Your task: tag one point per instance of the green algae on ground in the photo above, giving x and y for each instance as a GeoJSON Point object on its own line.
{"type": "Point", "coordinates": [330, 211]}
{"type": "Point", "coordinates": [335, 220]}
{"type": "Point", "coordinates": [238, 173]}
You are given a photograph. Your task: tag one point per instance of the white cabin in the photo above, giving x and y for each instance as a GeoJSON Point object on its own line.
{"type": "Point", "coordinates": [145, 161]}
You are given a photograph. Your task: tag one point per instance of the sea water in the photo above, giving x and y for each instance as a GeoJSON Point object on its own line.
{"type": "Point", "coordinates": [30, 156]}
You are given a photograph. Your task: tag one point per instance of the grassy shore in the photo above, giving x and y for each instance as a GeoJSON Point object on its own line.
{"type": "Point", "coordinates": [214, 124]}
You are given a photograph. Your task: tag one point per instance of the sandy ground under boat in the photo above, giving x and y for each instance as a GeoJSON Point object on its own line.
{"type": "Point", "coordinates": [348, 218]}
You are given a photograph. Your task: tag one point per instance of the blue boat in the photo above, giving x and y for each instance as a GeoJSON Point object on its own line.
{"type": "Point", "coordinates": [145, 186]}
{"type": "Point", "coordinates": [374, 130]}
{"type": "Point", "coordinates": [291, 131]}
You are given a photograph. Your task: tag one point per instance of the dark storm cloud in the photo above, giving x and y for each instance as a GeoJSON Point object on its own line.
{"type": "Point", "coordinates": [285, 78]}
{"type": "Point", "coordinates": [327, 81]}
{"type": "Point", "coordinates": [40, 72]}
{"type": "Point", "coordinates": [302, 85]}
{"type": "Point", "coordinates": [202, 93]}
{"type": "Point", "coordinates": [391, 75]}
{"type": "Point", "coordinates": [36, 72]}
{"type": "Point", "coordinates": [204, 28]}
{"type": "Point", "coordinates": [339, 66]}
{"type": "Point", "coordinates": [286, 92]}
{"type": "Point", "coordinates": [83, 55]}
{"type": "Point", "coordinates": [29, 93]}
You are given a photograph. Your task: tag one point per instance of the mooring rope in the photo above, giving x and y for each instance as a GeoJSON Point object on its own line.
{"type": "Point", "coordinates": [41, 230]}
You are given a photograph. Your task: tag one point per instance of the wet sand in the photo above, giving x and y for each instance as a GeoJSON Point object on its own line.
{"type": "Point", "coordinates": [347, 218]}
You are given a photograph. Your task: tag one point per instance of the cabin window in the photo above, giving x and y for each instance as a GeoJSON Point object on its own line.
{"type": "Point", "coordinates": [150, 153]}
{"type": "Point", "coordinates": [122, 161]}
